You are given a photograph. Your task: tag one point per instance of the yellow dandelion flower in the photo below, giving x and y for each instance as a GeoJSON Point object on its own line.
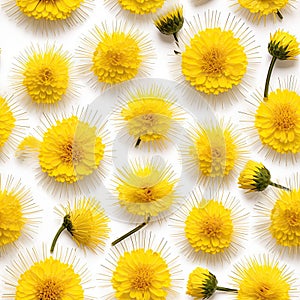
{"type": "Point", "coordinates": [215, 152]}
{"type": "Point", "coordinates": [211, 228]}
{"type": "Point", "coordinates": [256, 177]}
{"type": "Point", "coordinates": [58, 277]}
{"type": "Point", "coordinates": [71, 149]}
{"type": "Point", "coordinates": [17, 212]}
{"type": "Point", "coordinates": [150, 114]}
{"type": "Point", "coordinates": [277, 121]}
{"type": "Point", "coordinates": [115, 54]}
{"type": "Point", "coordinates": [283, 46]}
{"type": "Point", "coordinates": [87, 223]}
{"type": "Point", "coordinates": [44, 76]}
{"type": "Point", "coordinates": [137, 7]}
{"type": "Point", "coordinates": [141, 269]}
{"type": "Point", "coordinates": [260, 9]}
{"type": "Point", "coordinates": [263, 278]}
{"type": "Point", "coordinates": [170, 22]}
{"type": "Point", "coordinates": [202, 284]}
{"type": "Point", "coordinates": [215, 58]}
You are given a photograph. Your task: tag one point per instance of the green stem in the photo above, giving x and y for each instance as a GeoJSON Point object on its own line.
{"type": "Point", "coordinates": [60, 230]}
{"type": "Point", "coordinates": [278, 13]}
{"type": "Point", "coordinates": [279, 186]}
{"type": "Point", "coordinates": [266, 92]}
{"type": "Point", "coordinates": [175, 37]}
{"type": "Point", "coordinates": [220, 288]}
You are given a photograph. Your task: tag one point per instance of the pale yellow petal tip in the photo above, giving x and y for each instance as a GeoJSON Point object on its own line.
{"type": "Point", "coordinates": [28, 146]}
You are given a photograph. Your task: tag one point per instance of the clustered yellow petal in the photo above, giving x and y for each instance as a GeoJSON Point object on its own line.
{"type": "Point", "coordinates": [215, 150]}
{"type": "Point", "coordinates": [146, 189]}
{"type": "Point", "coordinates": [262, 280]}
{"type": "Point", "coordinates": [283, 45]}
{"type": "Point", "coordinates": [141, 7]}
{"type": "Point", "coordinates": [49, 279]}
{"type": "Point", "coordinates": [278, 121]}
{"type": "Point", "coordinates": [214, 61]}
{"type": "Point", "coordinates": [209, 227]}
{"type": "Point", "coordinates": [141, 274]}
{"type": "Point", "coordinates": [45, 75]}
{"type": "Point", "coordinates": [70, 150]}
{"type": "Point", "coordinates": [201, 284]}
{"type": "Point", "coordinates": [7, 121]}
{"type": "Point", "coordinates": [285, 219]}
{"type": "Point", "coordinates": [48, 9]}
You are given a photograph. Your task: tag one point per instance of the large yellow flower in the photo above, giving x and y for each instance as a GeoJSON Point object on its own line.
{"type": "Point", "coordinates": [277, 121]}
{"type": "Point", "coordinates": [262, 279]}
{"type": "Point", "coordinates": [214, 61]}
{"type": "Point", "coordinates": [86, 222]}
{"type": "Point", "coordinates": [285, 219]}
{"type": "Point", "coordinates": [150, 114]}
{"type": "Point", "coordinates": [49, 10]}
{"type": "Point", "coordinates": [141, 274]}
{"type": "Point", "coordinates": [44, 75]}
{"type": "Point", "coordinates": [115, 54]}
{"type": "Point", "coordinates": [146, 189]}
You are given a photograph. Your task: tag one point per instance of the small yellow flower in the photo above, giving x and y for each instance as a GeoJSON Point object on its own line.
{"type": "Point", "coordinates": [283, 45]}
{"type": "Point", "coordinates": [150, 114]}
{"type": "Point", "coordinates": [86, 222]}
{"type": "Point", "coordinates": [146, 188]}
{"type": "Point", "coordinates": [35, 278]}
{"type": "Point", "coordinates": [44, 76]}
{"type": "Point", "coordinates": [143, 268]}
{"type": "Point", "coordinates": [262, 278]}
{"type": "Point", "coordinates": [171, 22]}
{"type": "Point", "coordinates": [256, 177]}
{"type": "Point", "coordinates": [277, 121]}
{"type": "Point", "coordinates": [260, 9]}
{"type": "Point", "coordinates": [285, 219]}
{"type": "Point", "coordinates": [16, 210]}
{"type": "Point", "coordinates": [138, 7]}
{"type": "Point", "coordinates": [115, 54]}
{"type": "Point", "coordinates": [216, 151]}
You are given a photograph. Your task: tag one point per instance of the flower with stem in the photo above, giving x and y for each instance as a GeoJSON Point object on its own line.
{"type": "Point", "coordinates": [86, 222]}
{"type": "Point", "coordinates": [150, 114]}
{"type": "Point", "coordinates": [147, 189]}
{"type": "Point", "coordinates": [115, 54]}
{"type": "Point", "coordinates": [213, 227]}
{"type": "Point", "coordinates": [142, 268]}
{"type": "Point", "coordinates": [171, 22]}
{"type": "Point", "coordinates": [36, 276]}
{"type": "Point", "coordinates": [283, 46]}
{"type": "Point", "coordinates": [17, 211]}
{"type": "Point", "coordinates": [263, 278]}
{"type": "Point", "coordinates": [202, 284]}
{"type": "Point", "coordinates": [256, 177]}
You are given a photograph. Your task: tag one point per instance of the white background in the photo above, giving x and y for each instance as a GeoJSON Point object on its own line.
{"type": "Point", "coordinates": [14, 39]}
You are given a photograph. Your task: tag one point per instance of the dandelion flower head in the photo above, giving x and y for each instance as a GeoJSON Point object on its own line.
{"type": "Point", "coordinates": [7, 121]}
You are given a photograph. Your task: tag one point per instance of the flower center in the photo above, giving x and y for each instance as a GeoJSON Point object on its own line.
{"type": "Point", "coordinates": [212, 226]}
{"type": "Point", "coordinates": [263, 292]}
{"type": "Point", "coordinates": [292, 218]}
{"type": "Point", "coordinates": [114, 58]}
{"type": "Point", "coordinates": [213, 62]}
{"type": "Point", "coordinates": [71, 153]}
{"type": "Point", "coordinates": [216, 153]}
{"type": "Point", "coordinates": [49, 290]}
{"type": "Point", "coordinates": [147, 194]}
{"type": "Point", "coordinates": [284, 117]}
{"type": "Point", "coordinates": [142, 279]}
{"type": "Point", "coordinates": [46, 74]}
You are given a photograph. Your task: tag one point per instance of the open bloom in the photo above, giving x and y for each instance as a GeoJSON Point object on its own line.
{"type": "Point", "coordinates": [34, 277]}
{"type": "Point", "coordinates": [150, 114]}
{"type": "Point", "coordinates": [256, 177]}
{"type": "Point", "coordinates": [141, 269]}
{"type": "Point", "coordinates": [17, 212]}
{"type": "Point", "coordinates": [44, 75]}
{"type": "Point", "coordinates": [263, 278]}
{"type": "Point", "coordinates": [212, 228]}
{"type": "Point", "coordinates": [86, 222]}
{"type": "Point", "coordinates": [115, 54]}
